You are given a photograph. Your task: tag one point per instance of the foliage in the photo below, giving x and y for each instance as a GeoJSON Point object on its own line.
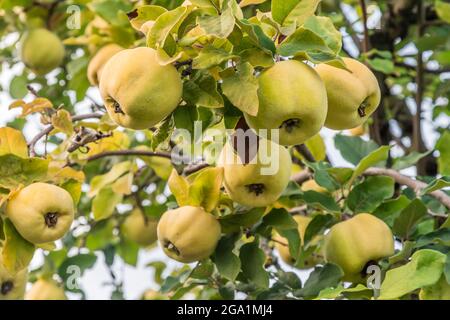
{"type": "Point", "coordinates": [219, 48]}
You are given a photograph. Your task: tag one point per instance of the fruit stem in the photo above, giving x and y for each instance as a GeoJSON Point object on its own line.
{"type": "Point", "coordinates": [290, 124]}
{"type": "Point", "coordinates": [51, 219]}
{"type": "Point", "coordinates": [256, 188]}
{"type": "Point", "coordinates": [6, 287]}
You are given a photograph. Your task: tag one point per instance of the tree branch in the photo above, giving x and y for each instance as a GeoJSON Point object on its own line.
{"type": "Point", "coordinates": [365, 42]}
{"type": "Point", "coordinates": [416, 185]}
{"type": "Point", "coordinates": [140, 153]}
{"type": "Point", "coordinates": [47, 130]}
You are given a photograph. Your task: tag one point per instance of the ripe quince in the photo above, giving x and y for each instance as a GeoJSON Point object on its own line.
{"type": "Point", "coordinates": [293, 99]}
{"type": "Point", "coordinates": [137, 90]}
{"type": "Point", "coordinates": [41, 212]}
{"type": "Point", "coordinates": [260, 182]}
{"type": "Point", "coordinates": [353, 243]}
{"type": "Point", "coordinates": [46, 289]}
{"type": "Point", "coordinates": [139, 228]}
{"type": "Point", "coordinates": [12, 286]}
{"type": "Point", "coordinates": [99, 60]}
{"type": "Point", "coordinates": [41, 50]}
{"type": "Point", "coordinates": [353, 94]}
{"type": "Point", "coordinates": [188, 234]}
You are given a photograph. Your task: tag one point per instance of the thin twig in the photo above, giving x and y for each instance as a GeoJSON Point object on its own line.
{"type": "Point", "coordinates": [47, 130]}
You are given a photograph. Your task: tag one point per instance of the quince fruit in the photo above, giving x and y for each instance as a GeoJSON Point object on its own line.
{"type": "Point", "coordinates": [41, 50]}
{"type": "Point", "coordinates": [139, 228]}
{"type": "Point", "coordinates": [293, 99]}
{"type": "Point", "coordinates": [41, 212]}
{"type": "Point", "coordinates": [46, 289]}
{"type": "Point", "coordinates": [353, 94]}
{"type": "Point", "coordinates": [260, 182]}
{"type": "Point", "coordinates": [188, 234]}
{"type": "Point", "coordinates": [353, 243]}
{"type": "Point", "coordinates": [12, 286]}
{"type": "Point", "coordinates": [97, 63]}
{"type": "Point", "coordinates": [281, 244]}
{"type": "Point", "coordinates": [139, 92]}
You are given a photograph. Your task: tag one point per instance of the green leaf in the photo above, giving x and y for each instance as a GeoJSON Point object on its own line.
{"type": "Point", "coordinates": [305, 43]}
{"type": "Point", "coordinates": [437, 184]}
{"type": "Point", "coordinates": [443, 10]}
{"type": "Point", "coordinates": [321, 278]}
{"type": "Point", "coordinates": [257, 35]}
{"type": "Point", "coordinates": [211, 56]}
{"type": "Point", "coordinates": [383, 65]}
{"type": "Point", "coordinates": [104, 203]}
{"type": "Point", "coordinates": [374, 158]}
{"type": "Point", "coordinates": [409, 160]}
{"type": "Point", "coordinates": [234, 222]}
{"type": "Point", "coordinates": [440, 236]}
{"type": "Point", "coordinates": [128, 251]}
{"type": "Point", "coordinates": [146, 13]}
{"type": "Point", "coordinates": [253, 260]}
{"type": "Point", "coordinates": [201, 91]}
{"type": "Point", "coordinates": [241, 88]}
{"type": "Point", "coordinates": [390, 209]}
{"type": "Point", "coordinates": [163, 132]}
{"type": "Point", "coordinates": [220, 26]}
{"type": "Point", "coordinates": [205, 189]}
{"type": "Point", "coordinates": [318, 224]}
{"type": "Point", "coordinates": [101, 181]}
{"type": "Point", "coordinates": [443, 146]}
{"type": "Point", "coordinates": [228, 264]}
{"type": "Point", "coordinates": [280, 219]}
{"type": "Point", "coordinates": [287, 12]}
{"type": "Point", "coordinates": [17, 252]}
{"type": "Point", "coordinates": [324, 27]}
{"type": "Point", "coordinates": [320, 200]}
{"type": "Point", "coordinates": [203, 270]}
{"type": "Point", "coordinates": [405, 223]}
{"type": "Point", "coordinates": [164, 25]}
{"type": "Point", "coordinates": [424, 269]}
{"type": "Point", "coordinates": [18, 87]}
{"type": "Point", "coordinates": [75, 266]}
{"type": "Point", "coordinates": [112, 11]}
{"type": "Point", "coordinates": [354, 149]}
{"type": "Point", "coordinates": [15, 171]}
{"type": "Point", "coordinates": [368, 195]}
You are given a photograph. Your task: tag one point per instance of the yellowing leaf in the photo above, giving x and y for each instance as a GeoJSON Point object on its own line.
{"type": "Point", "coordinates": [37, 105]}
{"type": "Point", "coordinates": [123, 184]}
{"type": "Point", "coordinates": [58, 173]}
{"type": "Point", "coordinates": [62, 120]}
{"type": "Point", "coordinates": [17, 252]}
{"type": "Point", "coordinates": [245, 3]}
{"type": "Point", "coordinates": [424, 269]}
{"type": "Point", "coordinates": [179, 187]}
{"type": "Point", "coordinates": [316, 146]}
{"type": "Point", "coordinates": [99, 182]}
{"type": "Point", "coordinates": [104, 203]}
{"type": "Point", "coordinates": [13, 142]}
{"type": "Point", "coordinates": [15, 171]}
{"type": "Point", "coordinates": [205, 190]}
